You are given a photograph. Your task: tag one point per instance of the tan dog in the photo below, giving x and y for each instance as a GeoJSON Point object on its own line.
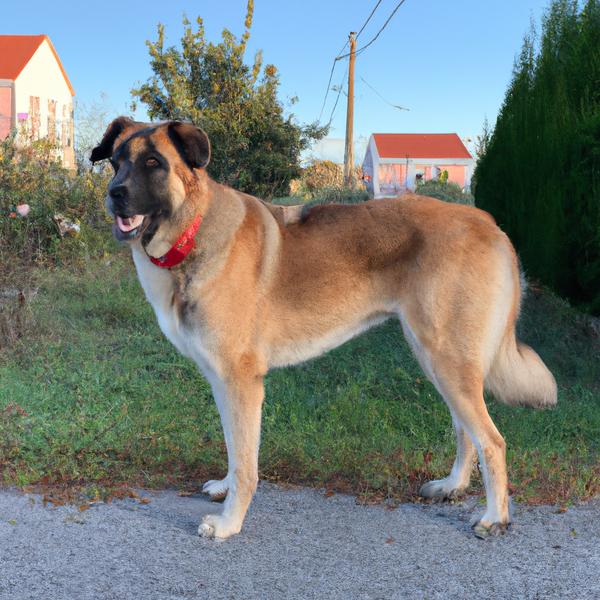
{"type": "Point", "coordinates": [250, 288]}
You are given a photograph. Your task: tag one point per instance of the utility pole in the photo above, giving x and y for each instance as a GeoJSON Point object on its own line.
{"type": "Point", "coordinates": [349, 150]}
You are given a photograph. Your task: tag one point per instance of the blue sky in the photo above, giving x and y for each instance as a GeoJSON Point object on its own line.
{"type": "Point", "coordinates": [448, 62]}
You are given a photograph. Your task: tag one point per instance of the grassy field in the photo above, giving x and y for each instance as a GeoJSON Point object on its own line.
{"type": "Point", "coordinates": [93, 397]}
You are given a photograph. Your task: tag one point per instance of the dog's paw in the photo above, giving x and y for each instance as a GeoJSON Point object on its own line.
{"type": "Point", "coordinates": [216, 489]}
{"type": "Point", "coordinates": [484, 529]}
{"type": "Point", "coordinates": [440, 489]}
{"type": "Point", "coordinates": [216, 526]}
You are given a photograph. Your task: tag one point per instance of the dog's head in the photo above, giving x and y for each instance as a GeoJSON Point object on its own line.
{"type": "Point", "coordinates": [154, 167]}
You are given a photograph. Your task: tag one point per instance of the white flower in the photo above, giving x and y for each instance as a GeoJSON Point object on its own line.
{"type": "Point", "coordinates": [23, 209]}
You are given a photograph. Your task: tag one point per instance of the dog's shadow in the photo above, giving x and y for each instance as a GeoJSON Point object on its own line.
{"type": "Point", "coordinates": [185, 512]}
{"type": "Point", "coordinates": [182, 512]}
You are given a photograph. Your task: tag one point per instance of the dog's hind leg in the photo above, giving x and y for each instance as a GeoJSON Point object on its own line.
{"type": "Point", "coordinates": [463, 391]}
{"type": "Point", "coordinates": [216, 488]}
{"type": "Point", "coordinates": [460, 476]}
{"type": "Point", "coordinates": [240, 403]}
{"type": "Point", "coordinates": [461, 385]}
{"type": "Point", "coordinates": [460, 381]}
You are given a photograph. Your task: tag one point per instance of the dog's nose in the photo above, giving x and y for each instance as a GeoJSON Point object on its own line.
{"type": "Point", "coordinates": [118, 192]}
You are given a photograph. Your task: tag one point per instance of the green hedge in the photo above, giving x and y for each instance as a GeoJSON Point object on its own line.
{"type": "Point", "coordinates": [540, 173]}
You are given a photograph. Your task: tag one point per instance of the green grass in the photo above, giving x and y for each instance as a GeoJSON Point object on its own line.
{"type": "Point", "coordinates": [94, 395]}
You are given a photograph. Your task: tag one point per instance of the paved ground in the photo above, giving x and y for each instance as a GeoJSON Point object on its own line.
{"type": "Point", "coordinates": [295, 544]}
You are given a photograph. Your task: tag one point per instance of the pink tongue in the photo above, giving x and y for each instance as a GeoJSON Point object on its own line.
{"type": "Point", "coordinates": [129, 223]}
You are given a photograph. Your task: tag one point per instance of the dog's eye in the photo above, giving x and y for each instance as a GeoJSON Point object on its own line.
{"type": "Point", "coordinates": [152, 162]}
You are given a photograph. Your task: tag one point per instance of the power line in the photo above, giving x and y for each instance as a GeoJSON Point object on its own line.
{"type": "Point", "coordinates": [329, 82]}
{"type": "Point", "coordinates": [338, 57]}
{"type": "Point", "coordinates": [339, 92]}
{"type": "Point", "coordinates": [363, 48]}
{"type": "Point", "coordinates": [368, 19]}
{"type": "Point", "coordinates": [384, 99]}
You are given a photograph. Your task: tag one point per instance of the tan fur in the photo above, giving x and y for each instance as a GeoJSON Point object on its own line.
{"type": "Point", "coordinates": [267, 287]}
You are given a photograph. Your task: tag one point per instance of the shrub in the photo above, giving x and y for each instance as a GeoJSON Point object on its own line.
{"type": "Point", "coordinates": [322, 174]}
{"type": "Point", "coordinates": [322, 182]}
{"type": "Point", "coordinates": [448, 191]}
{"type": "Point", "coordinates": [340, 195]}
{"type": "Point", "coordinates": [32, 176]}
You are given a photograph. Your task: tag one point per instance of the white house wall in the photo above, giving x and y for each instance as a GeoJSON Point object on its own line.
{"type": "Point", "coordinates": [42, 72]}
{"type": "Point", "coordinates": [367, 170]}
{"type": "Point", "coordinates": [372, 167]}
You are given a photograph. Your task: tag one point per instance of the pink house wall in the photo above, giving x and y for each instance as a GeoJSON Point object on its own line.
{"type": "Point", "coordinates": [456, 173]}
{"type": "Point", "coordinates": [5, 111]}
{"type": "Point", "coordinates": [392, 178]}
{"type": "Point", "coordinates": [426, 171]}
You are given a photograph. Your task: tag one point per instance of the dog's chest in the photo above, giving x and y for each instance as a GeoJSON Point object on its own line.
{"type": "Point", "coordinates": [159, 288]}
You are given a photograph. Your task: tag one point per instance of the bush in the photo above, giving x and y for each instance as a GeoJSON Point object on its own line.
{"type": "Point", "coordinates": [32, 177]}
{"type": "Point", "coordinates": [321, 174]}
{"type": "Point", "coordinates": [448, 191]}
{"type": "Point", "coordinates": [340, 195]}
{"type": "Point", "coordinates": [322, 182]}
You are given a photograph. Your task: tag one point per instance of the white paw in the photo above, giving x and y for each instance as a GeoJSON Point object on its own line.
{"type": "Point", "coordinates": [484, 529]}
{"type": "Point", "coordinates": [441, 488]}
{"type": "Point", "coordinates": [217, 526]}
{"type": "Point", "coordinates": [216, 488]}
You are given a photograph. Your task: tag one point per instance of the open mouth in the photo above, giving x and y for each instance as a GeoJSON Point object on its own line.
{"type": "Point", "coordinates": [129, 228]}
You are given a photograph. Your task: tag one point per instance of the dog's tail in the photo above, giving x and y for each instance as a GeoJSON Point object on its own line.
{"type": "Point", "coordinates": [517, 375]}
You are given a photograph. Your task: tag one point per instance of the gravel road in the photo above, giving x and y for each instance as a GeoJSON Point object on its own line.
{"type": "Point", "coordinates": [296, 543]}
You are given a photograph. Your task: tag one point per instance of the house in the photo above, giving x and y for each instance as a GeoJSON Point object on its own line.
{"type": "Point", "coordinates": [36, 96]}
{"type": "Point", "coordinates": [395, 162]}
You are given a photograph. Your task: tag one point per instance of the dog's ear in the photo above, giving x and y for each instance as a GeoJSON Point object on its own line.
{"type": "Point", "coordinates": [191, 143]}
{"type": "Point", "coordinates": [113, 131]}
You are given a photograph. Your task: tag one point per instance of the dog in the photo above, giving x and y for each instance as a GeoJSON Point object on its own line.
{"type": "Point", "coordinates": [241, 286]}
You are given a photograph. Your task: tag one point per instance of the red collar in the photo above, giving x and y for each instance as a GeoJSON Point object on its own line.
{"type": "Point", "coordinates": [181, 248]}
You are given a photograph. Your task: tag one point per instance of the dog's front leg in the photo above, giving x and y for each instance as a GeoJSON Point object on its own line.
{"type": "Point", "coordinates": [240, 402]}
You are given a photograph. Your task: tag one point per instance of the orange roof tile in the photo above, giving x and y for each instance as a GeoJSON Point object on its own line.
{"type": "Point", "coordinates": [420, 145]}
{"type": "Point", "coordinates": [17, 50]}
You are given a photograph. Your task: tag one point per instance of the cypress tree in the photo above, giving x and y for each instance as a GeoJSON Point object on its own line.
{"type": "Point", "coordinates": [540, 173]}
